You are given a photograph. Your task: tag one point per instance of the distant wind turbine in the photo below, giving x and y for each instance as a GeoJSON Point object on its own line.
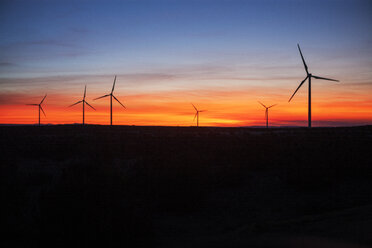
{"type": "Point", "coordinates": [84, 102]}
{"type": "Point", "coordinates": [308, 76]}
{"type": "Point", "coordinates": [40, 108]}
{"type": "Point", "coordinates": [197, 114]}
{"type": "Point", "coordinates": [111, 96]}
{"type": "Point", "coordinates": [267, 113]}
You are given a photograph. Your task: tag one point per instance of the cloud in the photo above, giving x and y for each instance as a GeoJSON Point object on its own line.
{"type": "Point", "coordinates": [7, 64]}
{"type": "Point", "coordinates": [15, 98]}
{"type": "Point", "coordinates": [49, 42]}
{"type": "Point", "coordinates": [363, 84]}
{"type": "Point", "coordinates": [147, 76]}
{"type": "Point", "coordinates": [7, 99]}
{"type": "Point", "coordinates": [78, 30]}
{"type": "Point", "coordinates": [131, 77]}
{"type": "Point", "coordinates": [323, 123]}
{"type": "Point", "coordinates": [16, 46]}
{"type": "Point", "coordinates": [25, 98]}
{"type": "Point", "coordinates": [38, 81]}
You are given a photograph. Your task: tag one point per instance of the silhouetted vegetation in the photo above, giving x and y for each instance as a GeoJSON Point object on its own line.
{"type": "Point", "coordinates": [156, 186]}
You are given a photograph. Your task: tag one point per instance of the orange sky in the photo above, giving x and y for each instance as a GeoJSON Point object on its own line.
{"type": "Point", "coordinates": [224, 108]}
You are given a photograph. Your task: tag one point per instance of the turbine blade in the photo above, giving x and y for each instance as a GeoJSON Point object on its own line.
{"type": "Point", "coordinates": [195, 116]}
{"type": "Point", "coordinates": [194, 107]}
{"type": "Point", "coordinates": [272, 106]}
{"type": "Point", "coordinates": [100, 97]}
{"type": "Point", "coordinates": [33, 104]}
{"type": "Point", "coordinates": [325, 78]}
{"type": "Point", "coordinates": [89, 105]}
{"type": "Point", "coordinates": [42, 110]}
{"type": "Point", "coordinates": [262, 104]}
{"type": "Point", "coordinates": [303, 60]}
{"type": "Point", "coordinates": [298, 88]}
{"type": "Point", "coordinates": [85, 91]}
{"type": "Point", "coordinates": [113, 86]}
{"type": "Point", "coordinates": [202, 111]}
{"type": "Point", "coordinates": [118, 101]}
{"type": "Point", "coordinates": [43, 99]}
{"type": "Point", "coordinates": [75, 103]}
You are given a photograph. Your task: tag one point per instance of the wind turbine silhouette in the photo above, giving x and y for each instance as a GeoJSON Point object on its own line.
{"type": "Point", "coordinates": [111, 96]}
{"type": "Point", "coordinates": [197, 114]}
{"type": "Point", "coordinates": [84, 102]}
{"type": "Point", "coordinates": [308, 76]}
{"type": "Point", "coordinates": [40, 108]}
{"type": "Point", "coordinates": [267, 113]}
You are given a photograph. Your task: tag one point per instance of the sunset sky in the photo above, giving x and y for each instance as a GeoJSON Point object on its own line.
{"type": "Point", "coordinates": [222, 56]}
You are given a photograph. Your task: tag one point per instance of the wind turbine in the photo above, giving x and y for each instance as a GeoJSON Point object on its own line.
{"type": "Point", "coordinates": [111, 96]}
{"type": "Point", "coordinates": [266, 113]}
{"type": "Point", "coordinates": [197, 114]}
{"type": "Point", "coordinates": [308, 76]}
{"type": "Point", "coordinates": [40, 108]}
{"type": "Point", "coordinates": [84, 102]}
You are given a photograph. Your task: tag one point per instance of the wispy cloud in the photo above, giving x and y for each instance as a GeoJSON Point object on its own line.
{"type": "Point", "coordinates": [133, 78]}
{"type": "Point", "coordinates": [22, 98]}
{"type": "Point", "coordinates": [357, 84]}
{"type": "Point", "coordinates": [46, 42]}
{"type": "Point", "coordinates": [11, 98]}
{"type": "Point", "coordinates": [324, 123]}
{"type": "Point", "coordinates": [7, 64]}
{"type": "Point", "coordinates": [79, 30]}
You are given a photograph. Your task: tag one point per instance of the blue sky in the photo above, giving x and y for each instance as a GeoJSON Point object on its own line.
{"type": "Point", "coordinates": [45, 37]}
{"type": "Point", "coordinates": [167, 45]}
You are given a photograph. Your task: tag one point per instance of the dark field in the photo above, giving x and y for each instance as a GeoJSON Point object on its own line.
{"type": "Point", "coordinates": [185, 187]}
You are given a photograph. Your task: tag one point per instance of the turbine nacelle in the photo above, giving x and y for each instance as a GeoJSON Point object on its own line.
{"type": "Point", "coordinates": [84, 102]}
{"type": "Point", "coordinates": [111, 95]}
{"type": "Point", "coordinates": [197, 114]}
{"type": "Point", "coordinates": [267, 112]}
{"type": "Point", "coordinates": [265, 105]}
{"type": "Point", "coordinates": [40, 107]}
{"type": "Point", "coordinates": [39, 104]}
{"type": "Point", "coordinates": [309, 76]}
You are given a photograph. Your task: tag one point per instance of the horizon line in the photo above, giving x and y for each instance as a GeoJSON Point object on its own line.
{"type": "Point", "coordinates": [254, 126]}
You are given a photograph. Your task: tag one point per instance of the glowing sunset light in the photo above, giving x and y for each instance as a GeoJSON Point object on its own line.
{"type": "Point", "coordinates": [223, 59]}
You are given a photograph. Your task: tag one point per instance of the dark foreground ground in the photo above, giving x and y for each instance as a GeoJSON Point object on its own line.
{"type": "Point", "coordinates": [64, 186]}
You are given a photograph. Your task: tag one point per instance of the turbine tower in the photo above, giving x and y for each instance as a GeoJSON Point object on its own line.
{"type": "Point", "coordinates": [84, 102]}
{"type": "Point", "coordinates": [111, 96]}
{"type": "Point", "coordinates": [40, 108]}
{"type": "Point", "coordinates": [308, 76]}
{"type": "Point", "coordinates": [267, 113]}
{"type": "Point", "coordinates": [197, 114]}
